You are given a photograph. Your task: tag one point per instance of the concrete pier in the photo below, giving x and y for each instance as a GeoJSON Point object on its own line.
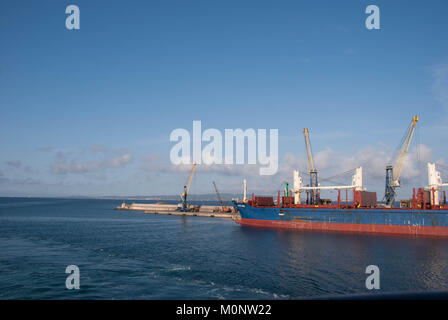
{"type": "Point", "coordinates": [170, 209]}
{"type": "Point", "coordinates": [192, 214]}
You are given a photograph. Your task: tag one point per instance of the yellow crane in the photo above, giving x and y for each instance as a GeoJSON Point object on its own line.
{"type": "Point", "coordinates": [393, 173]}
{"type": "Point", "coordinates": [184, 194]}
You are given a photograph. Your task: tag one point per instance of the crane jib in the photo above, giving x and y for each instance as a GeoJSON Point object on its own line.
{"type": "Point", "coordinates": [393, 173]}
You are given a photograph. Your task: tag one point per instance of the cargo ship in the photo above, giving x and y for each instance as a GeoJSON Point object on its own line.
{"type": "Point", "coordinates": [419, 219]}
{"type": "Point", "coordinates": [426, 214]}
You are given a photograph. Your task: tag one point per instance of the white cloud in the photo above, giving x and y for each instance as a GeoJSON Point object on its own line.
{"type": "Point", "coordinates": [324, 159]}
{"type": "Point", "coordinates": [14, 163]}
{"type": "Point", "coordinates": [68, 162]}
{"type": "Point", "coordinates": [328, 162]}
{"type": "Point", "coordinates": [18, 181]}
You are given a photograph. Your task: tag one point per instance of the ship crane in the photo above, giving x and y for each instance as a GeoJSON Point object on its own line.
{"type": "Point", "coordinates": [314, 194]}
{"type": "Point", "coordinates": [393, 173]}
{"type": "Point", "coordinates": [434, 183]}
{"type": "Point", "coordinates": [184, 194]}
{"type": "Point", "coordinates": [298, 184]}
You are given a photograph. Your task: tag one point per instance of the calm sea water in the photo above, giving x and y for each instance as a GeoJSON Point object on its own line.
{"type": "Point", "coordinates": [132, 255]}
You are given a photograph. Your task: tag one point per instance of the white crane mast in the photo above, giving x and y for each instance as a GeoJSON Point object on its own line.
{"type": "Point", "coordinates": [434, 183]}
{"type": "Point", "coordinates": [244, 190]}
{"type": "Point", "coordinates": [297, 187]}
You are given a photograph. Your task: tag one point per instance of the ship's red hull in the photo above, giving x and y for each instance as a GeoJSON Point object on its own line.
{"type": "Point", "coordinates": [348, 227]}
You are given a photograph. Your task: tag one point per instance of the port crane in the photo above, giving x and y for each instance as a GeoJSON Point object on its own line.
{"type": "Point", "coordinates": [184, 194]}
{"type": "Point", "coordinates": [314, 187]}
{"type": "Point", "coordinates": [224, 209]}
{"type": "Point", "coordinates": [393, 173]}
{"type": "Point", "coordinates": [314, 194]}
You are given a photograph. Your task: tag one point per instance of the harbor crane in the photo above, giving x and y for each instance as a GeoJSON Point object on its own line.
{"type": "Point", "coordinates": [393, 173]}
{"type": "Point", "coordinates": [184, 194]}
{"type": "Point", "coordinates": [218, 195]}
{"type": "Point", "coordinates": [224, 209]}
{"type": "Point", "coordinates": [314, 198]}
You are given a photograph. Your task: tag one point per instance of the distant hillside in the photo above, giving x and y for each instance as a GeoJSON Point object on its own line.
{"type": "Point", "coordinates": [192, 197]}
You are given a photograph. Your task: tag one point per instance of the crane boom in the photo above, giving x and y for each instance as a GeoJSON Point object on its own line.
{"type": "Point", "coordinates": [184, 194]}
{"type": "Point", "coordinates": [219, 196]}
{"type": "Point", "coordinates": [393, 173]}
{"type": "Point", "coordinates": [190, 177]}
{"type": "Point", "coordinates": [404, 149]}
{"type": "Point", "coordinates": [314, 194]}
{"type": "Point", "coordinates": [309, 154]}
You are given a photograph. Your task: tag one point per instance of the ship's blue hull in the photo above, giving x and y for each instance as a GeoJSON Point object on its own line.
{"type": "Point", "coordinates": [391, 220]}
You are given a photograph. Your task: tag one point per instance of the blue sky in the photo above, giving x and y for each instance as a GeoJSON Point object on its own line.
{"type": "Point", "coordinates": [90, 111]}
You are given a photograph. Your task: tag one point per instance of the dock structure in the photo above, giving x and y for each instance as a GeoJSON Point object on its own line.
{"type": "Point", "coordinates": [192, 214]}
{"type": "Point", "coordinates": [171, 209]}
